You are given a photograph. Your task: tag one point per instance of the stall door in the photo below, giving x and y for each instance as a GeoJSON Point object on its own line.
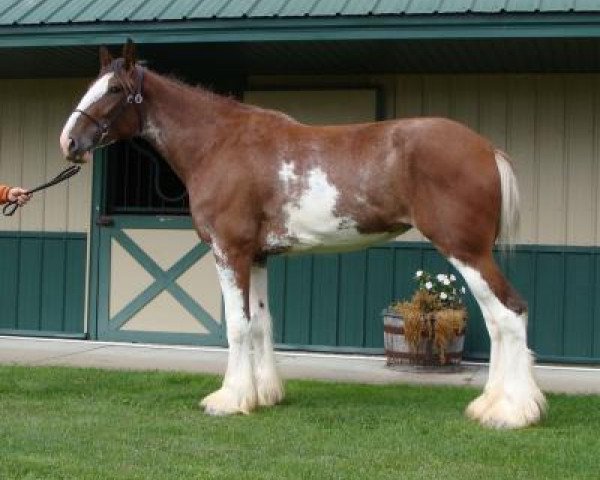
{"type": "Point", "coordinates": [156, 281]}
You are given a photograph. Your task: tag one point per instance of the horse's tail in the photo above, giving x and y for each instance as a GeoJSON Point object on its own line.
{"type": "Point", "coordinates": [509, 213]}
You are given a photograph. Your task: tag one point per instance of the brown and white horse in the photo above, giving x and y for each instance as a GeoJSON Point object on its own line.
{"type": "Point", "coordinates": [261, 183]}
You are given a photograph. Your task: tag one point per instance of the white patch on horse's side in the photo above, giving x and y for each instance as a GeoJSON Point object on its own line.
{"type": "Point", "coordinates": [94, 93]}
{"type": "Point", "coordinates": [512, 399]}
{"type": "Point", "coordinates": [287, 175]}
{"type": "Point", "coordinates": [312, 224]}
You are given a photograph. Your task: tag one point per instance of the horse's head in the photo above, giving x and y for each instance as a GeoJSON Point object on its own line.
{"type": "Point", "coordinates": [109, 110]}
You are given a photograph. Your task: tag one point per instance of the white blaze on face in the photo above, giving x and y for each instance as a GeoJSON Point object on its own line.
{"type": "Point", "coordinates": [95, 93]}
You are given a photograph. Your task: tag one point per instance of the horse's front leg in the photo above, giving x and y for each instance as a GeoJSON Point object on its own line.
{"type": "Point", "coordinates": [238, 392]}
{"type": "Point", "coordinates": [268, 385]}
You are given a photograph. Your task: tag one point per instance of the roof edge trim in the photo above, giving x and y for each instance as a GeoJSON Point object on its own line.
{"type": "Point", "coordinates": [307, 29]}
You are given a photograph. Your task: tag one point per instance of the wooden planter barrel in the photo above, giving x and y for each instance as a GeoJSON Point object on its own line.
{"type": "Point", "coordinates": [398, 350]}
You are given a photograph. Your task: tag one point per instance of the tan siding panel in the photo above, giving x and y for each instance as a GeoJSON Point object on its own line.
{"type": "Point", "coordinates": [436, 96]}
{"type": "Point", "coordinates": [34, 107]}
{"type": "Point", "coordinates": [11, 143]}
{"type": "Point", "coordinates": [550, 144]}
{"type": "Point", "coordinates": [32, 114]}
{"type": "Point", "coordinates": [492, 122]}
{"type": "Point", "coordinates": [596, 166]}
{"type": "Point", "coordinates": [579, 180]}
{"type": "Point", "coordinates": [56, 200]}
{"type": "Point", "coordinates": [521, 147]}
{"type": "Point", "coordinates": [464, 101]}
{"type": "Point", "coordinates": [409, 101]}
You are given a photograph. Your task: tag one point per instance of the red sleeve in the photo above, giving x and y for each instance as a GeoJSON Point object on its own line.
{"type": "Point", "coordinates": [4, 193]}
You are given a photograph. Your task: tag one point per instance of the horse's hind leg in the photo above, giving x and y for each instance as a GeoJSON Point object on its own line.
{"type": "Point", "coordinates": [492, 386]}
{"type": "Point", "coordinates": [511, 398]}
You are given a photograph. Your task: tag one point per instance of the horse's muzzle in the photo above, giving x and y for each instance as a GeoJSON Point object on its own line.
{"type": "Point", "coordinates": [73, 151]}
{"type": "Point", "coordinates": [83, 157]}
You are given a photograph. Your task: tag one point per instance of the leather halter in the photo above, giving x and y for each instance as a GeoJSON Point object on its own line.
{"type": "Point", "coordinates": [133, 97]}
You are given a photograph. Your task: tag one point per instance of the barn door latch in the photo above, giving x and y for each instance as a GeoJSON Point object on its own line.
{"type": "Point", "coordinates": [105, 221]}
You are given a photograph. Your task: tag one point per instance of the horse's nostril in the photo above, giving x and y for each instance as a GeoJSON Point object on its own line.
{"type": "Point", "coordinates": [73, 145]}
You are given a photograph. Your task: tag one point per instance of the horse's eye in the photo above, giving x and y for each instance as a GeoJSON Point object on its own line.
{"type": "Point", "coordinates": [114, 89]}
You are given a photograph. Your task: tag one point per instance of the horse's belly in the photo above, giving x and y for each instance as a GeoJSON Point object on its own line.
{"type": "Point", "coordinates": [311, 242]}
{"type": "Point", "coordinates": [319, 230]}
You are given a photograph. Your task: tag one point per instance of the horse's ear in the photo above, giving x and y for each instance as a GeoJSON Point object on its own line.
{"type": "Point", "coordinates": [129, 54]}
{"type": "Point", "coordinates": [105, 57]}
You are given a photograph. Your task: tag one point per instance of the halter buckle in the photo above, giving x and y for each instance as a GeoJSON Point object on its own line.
{"type": "Point", "coordinates": [130, 98]}
{"type": "Point", "coordinates": [138, 98]}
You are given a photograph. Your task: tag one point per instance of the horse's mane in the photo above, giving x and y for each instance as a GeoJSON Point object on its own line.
{"type": "Point", "coordinates": [224, 99]}
{"type": "Point", "coordinates": [202, 90]}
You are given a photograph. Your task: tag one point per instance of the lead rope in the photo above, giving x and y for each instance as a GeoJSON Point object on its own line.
{"type": "Point", "coordinates": [11, 207]}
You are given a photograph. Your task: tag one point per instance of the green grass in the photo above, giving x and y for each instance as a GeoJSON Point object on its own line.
{"type": "Point", "coordinates": [93, 424]}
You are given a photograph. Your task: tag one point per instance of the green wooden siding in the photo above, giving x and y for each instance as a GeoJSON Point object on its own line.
{"type": "Point", "coordinates": [335, 301]}
{"type": "Point", "coordinates": [42, 283]}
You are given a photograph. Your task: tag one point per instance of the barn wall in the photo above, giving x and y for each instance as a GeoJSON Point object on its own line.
{"type": "Point", "coordinates": [32, 114]}
{"type": "Point", "coordinates": [44, 244]}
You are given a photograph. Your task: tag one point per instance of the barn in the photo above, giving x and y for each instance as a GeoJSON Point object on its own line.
{"type": "Point", "coordinates": [111, 254]}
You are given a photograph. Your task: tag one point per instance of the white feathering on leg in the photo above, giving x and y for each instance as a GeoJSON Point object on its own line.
{"type": "Point", "coordinates": [238, 393]}
{"type": "Point", "coordinates": [511, 399]}
{"type": "Point", "coordinates": [268, 384]}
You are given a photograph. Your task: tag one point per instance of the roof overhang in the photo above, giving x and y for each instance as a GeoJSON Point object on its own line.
{"type": "Point", "coordinates": [385, 44]}
{"type": "Point", "coordinates": [414, 27]}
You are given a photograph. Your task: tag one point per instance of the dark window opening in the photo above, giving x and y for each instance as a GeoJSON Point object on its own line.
{"type": "Point", "coordinates": [140, 182]}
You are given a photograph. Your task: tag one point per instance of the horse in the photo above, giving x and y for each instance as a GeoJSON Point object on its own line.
{"type": "Point", "coordinates": [261, 183]}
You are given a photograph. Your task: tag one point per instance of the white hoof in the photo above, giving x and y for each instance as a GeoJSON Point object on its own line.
{"type": "Point", "coordinates": [479, 406]}
{"type": "Point", "coordinates": [227, 401]}
{"type": "Point", "coordinates": [508, 412]}
{"type": "Point", "coordinates": [269, 390]}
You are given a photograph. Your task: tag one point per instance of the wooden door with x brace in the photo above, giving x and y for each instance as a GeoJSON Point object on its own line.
{"type": "Point", "coordinates": [155, 281]}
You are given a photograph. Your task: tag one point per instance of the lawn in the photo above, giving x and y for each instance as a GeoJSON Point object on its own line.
{"type": "Point", "coordinates": [93, 424]}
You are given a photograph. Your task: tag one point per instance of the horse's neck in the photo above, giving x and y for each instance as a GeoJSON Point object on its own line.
{"type": "Point", "coordinates": [176, 112]}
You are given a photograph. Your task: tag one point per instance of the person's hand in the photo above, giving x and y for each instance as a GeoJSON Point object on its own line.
{"type": "Point", "coordinates": [19, 195]}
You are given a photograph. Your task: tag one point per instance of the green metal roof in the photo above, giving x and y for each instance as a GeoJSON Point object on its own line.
{"type": "Point", "coordinates": [44, 23]}
{"type": "Point", "coordinates": [46, 12]}
{"type": "Point", "coordinates": [241, 37]}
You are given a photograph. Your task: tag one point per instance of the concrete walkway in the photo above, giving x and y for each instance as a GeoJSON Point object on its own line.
{"type": "Point", "coordinates": [346, 368]}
